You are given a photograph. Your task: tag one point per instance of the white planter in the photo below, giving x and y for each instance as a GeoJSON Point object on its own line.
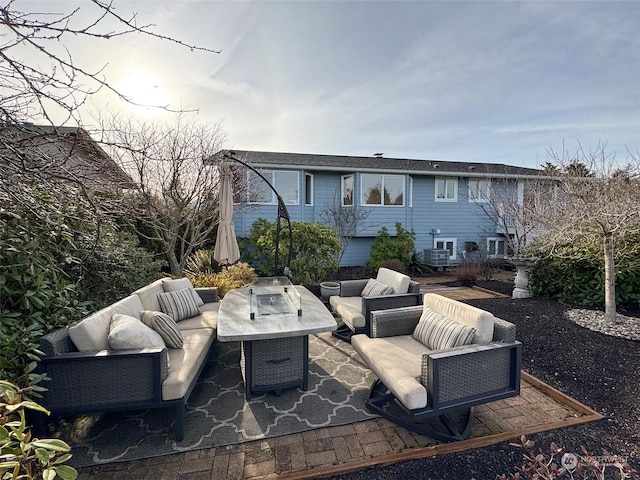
{"type": "Point", "coordinates": [328, 289]}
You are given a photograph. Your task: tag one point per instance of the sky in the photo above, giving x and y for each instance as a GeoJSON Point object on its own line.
{"type": "Point", "coordinates": [483, 81]}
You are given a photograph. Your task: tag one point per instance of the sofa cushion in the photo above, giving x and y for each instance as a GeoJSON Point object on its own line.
{"type": "Point", "coordinates": [164, 325]}
{"type": "Point", "coordinates": [397, 362]}
{"type": "Point", "coordinates": [186, 361]}
{"type": "Point", "coordinates": [208, 318]}
{"type": "Point", "coordinates": [438, 332]}
{"type": "Point", "coordinates": [477, 318]}
{"type": "Point", "coordinates": [374, 288]}
{"type": "Point", "coordinates": [178, 304]}
{"type": "Point", "coordinates": [148, 296]}
{"type": "Point", "coordinates": [129, 332]}
{"type": "Point", "coordinates": [90, 334]}
{"type": "Point", "coordinates": [398, 281]}
{"type": "Point", "coordinates": [173, 284]}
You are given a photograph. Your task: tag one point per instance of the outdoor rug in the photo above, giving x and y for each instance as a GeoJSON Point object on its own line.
{"type": "Point", "coordinates": [218, 414]}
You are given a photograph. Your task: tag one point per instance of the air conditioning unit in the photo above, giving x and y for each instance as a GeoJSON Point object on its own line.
{"type": "Point", "coordinates": [436, 257]}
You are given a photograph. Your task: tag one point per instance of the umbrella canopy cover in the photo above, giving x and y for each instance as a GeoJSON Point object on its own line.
{"type": "Point", "coordinates": [226, 249]}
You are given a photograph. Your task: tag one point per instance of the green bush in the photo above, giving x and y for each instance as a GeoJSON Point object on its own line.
{"type": "Point", "coordinates": [21, 455]}
{"type": "Point", "coordinates": [315, 250]}
{"type": "Point", "coordinates": [574, 274]}
{"type": "Point", "coordinates": [385, 248]}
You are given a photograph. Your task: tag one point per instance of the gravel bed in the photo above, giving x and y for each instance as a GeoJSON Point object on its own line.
{"type": "Point", "coordinates": [625, 327]}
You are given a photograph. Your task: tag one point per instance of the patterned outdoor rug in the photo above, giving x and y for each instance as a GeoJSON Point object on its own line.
{"type": "Point", "coordinates": [218, 414]}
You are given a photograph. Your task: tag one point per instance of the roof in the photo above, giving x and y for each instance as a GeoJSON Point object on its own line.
{"type": "Point", "coordinates": [61, 152]}
{"type": "Point", "coordinates": [378, 164]}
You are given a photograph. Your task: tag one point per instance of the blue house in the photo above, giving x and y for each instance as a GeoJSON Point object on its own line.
{"type": "Point", "coordinates": [444, 203]}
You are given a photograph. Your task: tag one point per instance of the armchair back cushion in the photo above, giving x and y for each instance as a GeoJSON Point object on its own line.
{"type": "Point", "coordinates": [396, 280]}
{"type": "Point", "coordinates": [90, 334]}
{"type": "Point", "coordinates": [474, 317]}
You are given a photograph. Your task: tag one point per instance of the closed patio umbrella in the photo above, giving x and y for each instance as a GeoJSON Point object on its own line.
{"type": "Point", "coordinates": [226, 250]}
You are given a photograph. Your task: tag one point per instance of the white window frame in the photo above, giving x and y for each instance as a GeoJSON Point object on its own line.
{"type": "Point", "coordinates": [495, 254]}
{"type": "Point", "coordinates": [443, 182]}
{"type": "Point", "coordinates": [382, 176]}
{"type": "Point", "coordinates": [353, 188]}
{"type": "Point", "coordinates": [271, 176]}
{"type": "Point", "coordinates": [308, 189]}
{"type": "Point", "coordinates": [479, 190]}
{"type": "Point", "coordinates": [410, 193]}
{"type": "Point", "coordinates": [444, 240]}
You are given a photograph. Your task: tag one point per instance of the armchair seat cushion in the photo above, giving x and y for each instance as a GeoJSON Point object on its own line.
{"type": "Point", "coordinates": [350, 309]}
{"type": "Point", "coordinates": [396, 361]}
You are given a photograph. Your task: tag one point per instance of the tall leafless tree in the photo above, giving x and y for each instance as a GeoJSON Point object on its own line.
{"type": "Point", "coordinates": [175, 203]}
{"type": "Point", "coordinates": [598, 202]}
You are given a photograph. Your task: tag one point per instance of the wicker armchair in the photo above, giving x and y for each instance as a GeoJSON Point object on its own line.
{"type": "Point", "coordinates": [434, 392]}
{"type": "Point", "coordinates": [355, 309]}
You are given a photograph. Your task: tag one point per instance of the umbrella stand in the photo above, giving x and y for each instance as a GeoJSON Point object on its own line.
{"type": "Point", "coordinates": [283, 213]}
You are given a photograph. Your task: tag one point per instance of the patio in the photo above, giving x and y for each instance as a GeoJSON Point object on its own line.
{"type": "Point", "coordinates": [349, 448]}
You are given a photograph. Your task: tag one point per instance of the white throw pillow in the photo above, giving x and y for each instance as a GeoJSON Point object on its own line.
{"type": "Point", "coordinates": [171, 285]}
{"type": "Point", "coordinates": [165, 326]}
{"type": "Point", "coordinates": [437, 332]}
{"type": "Point", "coordinates": [126, 331]}
{"type": "Point", "coordinates": [179, 304]}
{"type": "Point", "coordinates": [374, 288]}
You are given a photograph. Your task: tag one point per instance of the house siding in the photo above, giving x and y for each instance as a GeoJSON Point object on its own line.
{"type": "Point", "coordinates": [462, 220]}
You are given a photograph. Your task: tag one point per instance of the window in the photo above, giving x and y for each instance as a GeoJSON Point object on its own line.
{"type": "Point", "coordinates": [382, 189]}
{"type": "Point", "coordinates": [446, 244]}
{"type": "Point", "coordinates": [308, 189]}
{"type": "Point", "coordinates": [496, 246]}
{"type": "Point", "coordinates": [285, 182]}
{"type": "Point", "coordinates": [347, 190]}
{"type": "Point", "coordinates": [479, 191]}
{"type": "Point", "coordinates": [446, 189]}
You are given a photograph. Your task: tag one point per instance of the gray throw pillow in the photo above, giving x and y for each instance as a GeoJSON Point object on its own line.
{"type": "Point", "coordinates": [165, 326]}
{"type": "Point", "coordinates": [374, 288]}
{"type": "Point", "coordinates": [179, 305]}
{"type": "Point", "coordinates": [437, 332]}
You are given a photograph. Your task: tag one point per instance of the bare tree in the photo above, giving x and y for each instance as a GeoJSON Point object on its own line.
{"type": "Point", "coordinates": [596, 201]}
{"type": "Point", "coordinates": [53, 83]}
{"type": "Point", "coordinates": [345, 220]}
{"type": "Point", "coordinates": [175, 203]}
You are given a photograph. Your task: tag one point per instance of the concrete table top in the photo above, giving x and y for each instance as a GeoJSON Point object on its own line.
{"type": "Point", "coordinates": [235, 324]}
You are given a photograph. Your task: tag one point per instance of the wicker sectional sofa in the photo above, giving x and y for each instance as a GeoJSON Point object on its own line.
{"type": "Point", "coordinates": [88, 375]}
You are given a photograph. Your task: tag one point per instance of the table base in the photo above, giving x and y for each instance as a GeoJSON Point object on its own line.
{"type": "Point", "coordinates": [275, 364]}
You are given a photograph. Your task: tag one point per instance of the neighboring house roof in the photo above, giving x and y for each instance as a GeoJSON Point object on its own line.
{"type": "Point", "coordinates": [378, 164]}
{"type": "Point", "coordinates": [63, 153]}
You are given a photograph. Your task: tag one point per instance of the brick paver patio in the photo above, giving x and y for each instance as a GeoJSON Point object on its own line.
{"type": "Point", "coordinates": [333, 450]}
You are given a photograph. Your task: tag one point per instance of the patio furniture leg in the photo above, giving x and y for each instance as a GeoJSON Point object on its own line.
{"type": "Point", "coordinates": [382, 402]}
{"type": "Point", "coordinates": [180, 412]}
{"type": "Point", "coordinates": [343, 333]}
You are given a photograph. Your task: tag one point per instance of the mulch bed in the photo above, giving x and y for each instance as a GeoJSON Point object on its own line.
{"type": "Point", "coordinates": [598, 370]}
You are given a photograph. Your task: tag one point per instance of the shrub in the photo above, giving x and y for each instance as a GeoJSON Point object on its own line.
{"type": "Point", "coordinates": [574, 274]}
{"type": "Point", "coordinates": [385, 248]}
{"type": "Point", "coordinates": [21, 455]}
{"type": "Point", "coordinates": [396, 265]}
{"type": "Point", "coordinates": [202, 261]}
{"type": "Point", "coordinates": [314, 255]}
{"type": "Point", "coordinates": [235, 276]}
{"type": "Point", "coordinates": [468, 272]}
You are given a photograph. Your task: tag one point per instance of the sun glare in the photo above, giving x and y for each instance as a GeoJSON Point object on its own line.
{"type": "Point", "coordinates": [144, 90]}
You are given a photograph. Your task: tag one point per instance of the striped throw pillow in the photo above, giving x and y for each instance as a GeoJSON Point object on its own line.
{"type": "Point", "coordinates": [438, 332]}
{"type": "Point", "coordinates": [374, 288]}
{"type": "Point", "coordinates": [165, 326]}
{"type": "Point", "coordinates": [179, 304]}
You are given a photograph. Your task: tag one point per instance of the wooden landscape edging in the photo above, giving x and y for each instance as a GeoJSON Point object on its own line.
{"type": "Point", "coordinates": [589, 415]}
